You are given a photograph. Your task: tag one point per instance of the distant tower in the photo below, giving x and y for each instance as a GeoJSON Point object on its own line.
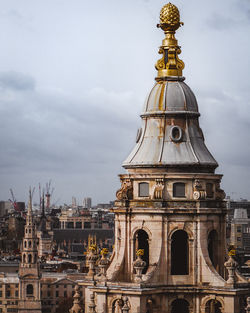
{"type": "Point", "coordinates": [87, 202]}
{"type": "Point", "coordinates": [170, 213]}
{"type": "Point", "coordinates": [74, 202]}
{"type": "Point", "coordinates": [29, 272]}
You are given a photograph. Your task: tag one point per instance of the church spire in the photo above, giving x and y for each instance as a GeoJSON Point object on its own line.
{"type": "Point", "coordinates": [169, 64]}
{"type": "Point", "coordinates": [29, 218]}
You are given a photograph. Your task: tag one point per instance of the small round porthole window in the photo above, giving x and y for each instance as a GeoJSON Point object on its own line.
{"type": "Point", "coordinates": [176, 133]}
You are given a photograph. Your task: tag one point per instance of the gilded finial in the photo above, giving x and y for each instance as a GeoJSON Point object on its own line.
{"type": "Point", "coordinates": [169, 64]}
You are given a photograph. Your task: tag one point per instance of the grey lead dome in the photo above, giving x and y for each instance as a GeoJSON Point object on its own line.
{"type": "Point", "coordinates": [170, 134]}
{"type": "Point", "coordinates": [171, 96]}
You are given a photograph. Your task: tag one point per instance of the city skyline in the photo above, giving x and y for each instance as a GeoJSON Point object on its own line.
{"type": "Point", "coordinates": [74, 77]}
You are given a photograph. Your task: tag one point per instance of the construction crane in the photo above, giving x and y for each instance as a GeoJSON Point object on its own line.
{"type": "Point", "coordinates": [13, 201]}
{"type": "Point", "coordinates": [48, 194]}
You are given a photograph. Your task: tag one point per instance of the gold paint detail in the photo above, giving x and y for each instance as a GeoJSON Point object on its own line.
{"type": "Point", "coordinates": [169, 64]}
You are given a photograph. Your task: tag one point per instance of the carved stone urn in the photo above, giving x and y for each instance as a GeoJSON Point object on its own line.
{"type": "Point", "coordinates": [103, 264]}
{"type": "Point", "coordinates": [92, 258]}
{"type": "Point", "coordinates": [139, 265]}
{"type": "Point", "coordinates": [231, 265]}
{"type": "Point", "coordinates": [125, 308]}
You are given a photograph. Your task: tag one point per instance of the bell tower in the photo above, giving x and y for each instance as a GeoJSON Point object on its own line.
{"type": "Point", "coordinates": [170, 214]}
{"type": "Point", "coordinates": [29, 271]}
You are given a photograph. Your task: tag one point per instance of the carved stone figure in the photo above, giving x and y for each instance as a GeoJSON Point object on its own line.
{"type": "Point", "coordinates": [126, 191]}
{"type": "Point", "coordinates": [158, 189]}
{"type": "Point", "coordinates": [219, 193]}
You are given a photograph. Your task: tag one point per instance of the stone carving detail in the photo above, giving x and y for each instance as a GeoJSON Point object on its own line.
{"type": "Point", "coordinates": [158, 189]}
{"type": "Point", "coordinates": [125, 308]}
{"type": "Point", "coordinates": [231, 265]}
{"type": "Point", "coordinates": [248, 305]}
{"type": "Point", "coordinates": [126, 191]}
{"type": "Point", "coordinates": [219, 193]}
{"type": "Point", "coordinates": [117, 306]}
{"type": "Point", "coordinates": [92, 304]}
{"type": "Point", "coordinates": [199, 193]}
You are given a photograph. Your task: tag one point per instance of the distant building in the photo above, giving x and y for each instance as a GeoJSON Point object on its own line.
{"type": "Point", "coordinates": [5, 207]}
{"type": "Point", "coordinates": [87, 203]}
{"type": "Point", "coordinates": [240, 230]}
{"type": "Point", "coordinates": [232, 205]}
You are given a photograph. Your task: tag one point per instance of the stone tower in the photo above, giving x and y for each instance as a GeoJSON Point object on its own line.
{"type": "Point", "coordinates": [170, 214]}
{"type": "Point", "coordinates": [29, 272]}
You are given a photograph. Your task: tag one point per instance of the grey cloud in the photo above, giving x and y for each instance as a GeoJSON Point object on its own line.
{"type": "Point", "coordinates": [220, 22]}
{"type": "Point", "coordinates": [16, 81]}
{"type": "Point", "coordinates": [76, 121]}
{"type": "Point", "coordinates": [64, 136]}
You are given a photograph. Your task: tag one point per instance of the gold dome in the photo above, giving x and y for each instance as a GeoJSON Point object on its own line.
{"type": "Point", "coordinates": [170, 17]}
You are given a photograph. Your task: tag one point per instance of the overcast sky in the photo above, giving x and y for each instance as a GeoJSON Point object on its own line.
{"type": "Point", "coordinates": [74, 75]}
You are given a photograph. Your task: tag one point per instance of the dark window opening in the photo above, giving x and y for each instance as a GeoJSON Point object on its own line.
{"type": "Point", "coordinates": [213, 248]}
{"type": "Point", "coordinates": [213, 306]}
{"type": "Point", "coordinates": [143, 189]}
{"type": "Point", "coordinates": [209, 190]}
{"type": "Point", "coordinates": [180, 306]}
{"type": "Point", "coordinates": [24, 258]}
{"type": "Point", "coordinates": [179, 253]}
{"type": "Point", "coordinates": [179, 190]}
{"type": "Point", "coordinates": [29, 258]}
{"type": "Point", "coordinates": [30, 290]}
{"type": "Point", "coordinates": [78, 224]}
{"type": "Point", "coordinates": [87, 225]}
{"type": "Point", "coordinates": [141, 242]}
{"type": "Point", "coordinates": [70, 225]}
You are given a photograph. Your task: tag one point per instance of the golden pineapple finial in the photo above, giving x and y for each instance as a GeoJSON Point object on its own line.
{"type": "Point", "coordinates": [169, 65]}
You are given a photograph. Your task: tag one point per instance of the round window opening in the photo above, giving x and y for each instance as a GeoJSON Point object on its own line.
{"type": "Point", "coordinates": [176, 133]}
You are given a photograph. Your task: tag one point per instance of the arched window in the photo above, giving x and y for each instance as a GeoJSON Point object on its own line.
{"type": "Point", "coordinates": [29, 258]}
{"type": "Point", "coordinates": [179, 190]}
{"type": "Point", "coordinates": [30, 290]}
{"type": "Point", "coordinates": [213, 246]}
{"type": "Point", "coordinates": [141, 242]}
{"type": "Point", "coordinates": [24, 258]}
{"type": "Point", "coordinates": [29, 243]}
{"type": "Point", "coordinates": [149, 305]}
{"type": "Point", "coordinates": [213, 306]}
{"type": "Point", "coordinates": [180, 306]}
{"type": "Point", "coordinates": [117, 305]}
{"type": "Point", "coordinates": [35, 258]}
{"type": "Point", "coordinates": [179, 253]}
{"type": "Point", "coordinates": [143, 189]}
{"type": "Point", "coordinates": [25, 244]}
